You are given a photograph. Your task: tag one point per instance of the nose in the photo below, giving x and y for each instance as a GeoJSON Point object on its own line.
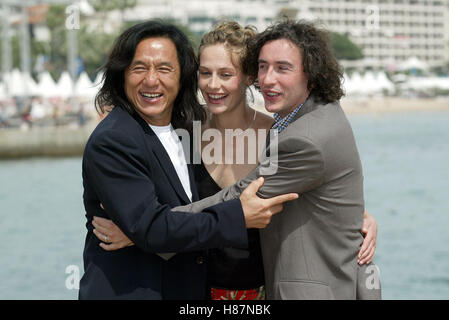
{"type": "Point", "coordinates": [151, 78]}
{"type": "Point", "coordinates": [214, 82]}
{"type": "Point", "coordinates": [267, 77]}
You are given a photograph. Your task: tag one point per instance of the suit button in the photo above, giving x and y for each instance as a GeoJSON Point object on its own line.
{"type": "Point", "coordinates": [200, 260]}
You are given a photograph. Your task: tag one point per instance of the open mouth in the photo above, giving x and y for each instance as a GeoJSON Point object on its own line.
{"type": "Point", "coordinates": [151, 97]}
{"type": "Point", "coordinates": [216, 98]}
{"type": "Point", "coordinates": [271, 95]}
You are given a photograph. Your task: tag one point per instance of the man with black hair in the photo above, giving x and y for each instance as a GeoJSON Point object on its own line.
{"type": "Point", "coordinates": [135, 171]}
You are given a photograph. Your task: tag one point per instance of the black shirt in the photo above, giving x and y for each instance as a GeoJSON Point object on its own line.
{"type": "Point", "coordinates": [231, 267]}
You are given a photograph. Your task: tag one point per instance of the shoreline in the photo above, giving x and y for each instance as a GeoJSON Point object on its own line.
{"type": "Point", "coordinates": [380, 105]}
{"type": "Point", "coordinates": [65, 141]}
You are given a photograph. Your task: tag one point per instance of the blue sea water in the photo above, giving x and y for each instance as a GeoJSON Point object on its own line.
{"type": "Point", "coordinates": [405, 158]}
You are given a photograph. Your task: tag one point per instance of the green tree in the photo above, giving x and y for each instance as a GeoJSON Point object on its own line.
{"type": "Point", "coordinates": [344, 48]}
{"type": "Point", "coordinates": [287, 13]}
{"type": "Point", "coordinates": [94, 48]}
{"type": "Point", "coordinates": [193, 37]}
{"type": "Point", "coordinates": [93, 45]}
{"type": "Point", "coordinates": [36, 47]}
{"type": "Point", "coordinates": [109, 5]}
{"type": "Point", "coordinates": [56, 49]}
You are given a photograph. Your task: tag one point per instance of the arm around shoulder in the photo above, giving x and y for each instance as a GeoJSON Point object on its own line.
{"type": "Point", "coordinates": [116, 169]}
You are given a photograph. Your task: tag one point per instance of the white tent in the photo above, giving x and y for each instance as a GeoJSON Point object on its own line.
{"type": "Point", "coordinates": [369, 83]}
{"type": "Point", "coordinates": [348, 84]}
{"type": "Point", "coordinates": [15, 83]}
{"type": "Point", "coordinates": [353, 84]}
{"type": "Point", "coordinates": [20, 84]}
{"type": "Point", "coordinates": [84, 87]}
{"type": "Point", "coordinates": [4, 85]}
{"type": "Point", "coordinates": [65, 85]}
{"type": "Point", "coordinates": [413, 63]}
{"type": "Point", "coordinates": [47, 86]}
{"type": "Point", "coordinates": [2, 91]}
{"type": "Point", "coordinates": [426, 83]}
{"type": "Point", "coordinates": [98, 80]}
{"type": "Point", "coordinates": [384, 83]}
{"type": "Point", "coordinates": [16, 86]}
{"type": "Point", "coordinates": [30, 85]}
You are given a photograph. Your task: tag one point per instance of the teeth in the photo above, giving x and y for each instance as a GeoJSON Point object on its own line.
{"type": "Point", "coordinates": [151, 95]}
{"type": "Point", "coordinates": [272, 94]}
{"type": "Point", "coordinates": [217, 96]}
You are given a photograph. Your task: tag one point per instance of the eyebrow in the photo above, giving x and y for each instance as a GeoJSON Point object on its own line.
{"type": "Point", "coordinates": [283, 62]}
{"type": "Point", "coordinates": [140, 62]}
{"type": "Point", "coordinates": [136, 62]}
{"type": "Point", "coordinates": [219, 69]}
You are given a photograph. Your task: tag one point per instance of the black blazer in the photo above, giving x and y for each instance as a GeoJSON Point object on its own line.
{"type": "Point", "coordinates": [126, 168]}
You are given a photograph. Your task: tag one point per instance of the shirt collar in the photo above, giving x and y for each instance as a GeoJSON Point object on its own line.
{"type": "Point", "coordinates": [281, 123]}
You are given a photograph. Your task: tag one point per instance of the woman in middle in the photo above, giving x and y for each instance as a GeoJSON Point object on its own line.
{"type": "Point", "coordinates": [233, 273]}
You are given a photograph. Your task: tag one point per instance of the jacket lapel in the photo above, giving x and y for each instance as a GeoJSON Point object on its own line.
{"type": "Point", "coordinates": [309, 105]}
{"type": "Point", "coordinates": [164, 160]}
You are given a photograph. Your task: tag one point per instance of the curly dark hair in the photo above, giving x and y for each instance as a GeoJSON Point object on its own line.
{"type": "Point", "coordinates": [112, 93]}
{"type": "Point", "coordinates": [320, 65]}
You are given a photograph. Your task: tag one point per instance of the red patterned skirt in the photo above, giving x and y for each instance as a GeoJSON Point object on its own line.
{"type": "Point", "coordinates": [249, 294]}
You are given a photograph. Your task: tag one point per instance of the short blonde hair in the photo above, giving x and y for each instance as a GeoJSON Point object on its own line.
{"type": "Point", "coordinates": [233, 36]}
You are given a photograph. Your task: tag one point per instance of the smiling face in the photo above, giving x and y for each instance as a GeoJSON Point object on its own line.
{"type": "Point", "coordinates": [281, 76]}
{"type": "Point", "coordinates": [152, 80]}
{"type": "Point", "coordinates": [221, 82]}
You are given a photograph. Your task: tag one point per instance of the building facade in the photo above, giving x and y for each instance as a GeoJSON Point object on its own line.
{"type": "Point", "coordinates": [388, 31]}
